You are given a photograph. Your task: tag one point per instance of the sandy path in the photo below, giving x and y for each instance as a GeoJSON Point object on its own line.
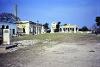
{"type": "Point", "coordinates": [61, 55]}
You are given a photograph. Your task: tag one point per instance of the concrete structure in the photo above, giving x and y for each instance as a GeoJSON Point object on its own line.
{"type": "Point", "coordinates": [68, 28]}
{"type": "Point", "coordinates": [8, 20]}
{"type": "Point", "coordinates": [11, 26]}
{"type": "Point", "coordinates": [43, 30]}
{"type": "Point", "coordinates": [22, 27]}
{"type": "Point", "coordinates": [29, 27]}
{"type": "Point", "coordinates": [12, 22]}
{"type": "Point", "coordinates": [53, 27]}
{"type": "Point", "coordinates": [6, 36]}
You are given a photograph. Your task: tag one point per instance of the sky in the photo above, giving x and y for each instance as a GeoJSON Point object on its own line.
{"type": "Point", "coordinates": [79, 12]}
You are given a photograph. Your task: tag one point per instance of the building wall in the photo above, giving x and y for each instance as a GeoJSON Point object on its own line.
{"type": "Point", "coordinates": [27, 28]}
{"type": "Point", "coordinates": [30, 27]}
{"type": "Point", "coordinates": [23, 28]}
{"type": "Point", "coordinates": [12, 27]}
{"type": "Point", "coordinates": [65, 28]}
{"type": "Point", "coordinates": [36, 29]}
{"type": "Point", "coordinates": [69, 28]}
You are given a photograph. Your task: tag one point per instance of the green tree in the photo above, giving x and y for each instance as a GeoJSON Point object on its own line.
{"type": "Point", "coordinates": [46, 26]}
{"type": "Point", "coordinates": [98, 21]}
{"type": "Point", "coordinates": [84, 28]}
{"type": "Point", "coordinates": [58, 27]}
{"type": "Point", "coordinates": [65, 24]}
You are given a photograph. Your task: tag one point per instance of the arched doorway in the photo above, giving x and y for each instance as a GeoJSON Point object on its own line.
{"type": "Point", "coordinates": [23, 30]}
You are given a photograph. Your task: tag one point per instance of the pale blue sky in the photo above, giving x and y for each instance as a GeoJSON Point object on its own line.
{"type": "Point", "coordinates": [80, 12]}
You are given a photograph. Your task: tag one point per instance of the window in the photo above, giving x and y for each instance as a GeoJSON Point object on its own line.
{"type": "Point", "coordinates": [7, 27]}
{"type": "Point", "coordinates": [3, 26]}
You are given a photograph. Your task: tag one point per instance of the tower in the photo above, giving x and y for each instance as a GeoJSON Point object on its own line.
{"type": "Point", "coordinates": [15, 11]}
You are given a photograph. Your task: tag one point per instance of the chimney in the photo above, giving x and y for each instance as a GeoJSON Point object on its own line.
{"type": "Point", "coordinates": [15, 11]}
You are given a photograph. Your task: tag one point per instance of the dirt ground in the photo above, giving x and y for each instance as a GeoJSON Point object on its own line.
{"type": "Point", "coordinates": [76, 51]}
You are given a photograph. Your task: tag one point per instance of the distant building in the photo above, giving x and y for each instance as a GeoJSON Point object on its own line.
{"type": "Point", "coordinates": [68, 28]}
{"type": "Point", "coordinates": [29, 27]}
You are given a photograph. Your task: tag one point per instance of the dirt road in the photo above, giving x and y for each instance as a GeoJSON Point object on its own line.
{"type": "Point", "coordinates": [63, 54]}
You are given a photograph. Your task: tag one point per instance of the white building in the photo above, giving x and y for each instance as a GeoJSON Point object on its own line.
{"type": "Point", "coordinates": [8, 20]}
{"type": "Point", "coordinates": [29, 27]}
{"type": "Point", "coordinates": [67, 28]}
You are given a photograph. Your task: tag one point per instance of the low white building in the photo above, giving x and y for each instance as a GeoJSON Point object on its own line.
{"type": "Point", "coordinates": [67, 28]}
{"type": "Point", "coordinates": [29, 27]}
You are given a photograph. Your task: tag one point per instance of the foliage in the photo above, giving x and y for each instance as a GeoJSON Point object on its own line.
{"type": "Point", "coordinates": [43, 37]}
{"type": "Point", "coordinates": [84, 28]}
{"type": "Point", "coordinates": [59, 37]}
{"type": "Point", "coordinates": [96, 26]}
{"type": "Point", "coordinates": [98, 21]}
{"type": "Point", "coordinates": [65, 24]}
{"type": "Point", "coordinates": [46, 26]}
{"type": "Point", "coordinates": [57, 27]}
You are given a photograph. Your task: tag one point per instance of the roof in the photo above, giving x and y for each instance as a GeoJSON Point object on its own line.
{"type": "Point", "coordinates": [8, 17]}
{"type": "Point", "coordinates": [68, 26]}
{"type": "Point", "coordinates": [31, 22]}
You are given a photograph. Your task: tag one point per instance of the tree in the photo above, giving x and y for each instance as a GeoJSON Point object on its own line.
{"type": "Point", "coordinates": [84, 28]}
{"type": "Point", "coordinates": [57, 27]}
{"type": "Point", "coordinates": [46, 26]}
{"type": "Point", "coordinates": [65, 24]}
{"type": "Point", "coordinates": [98, 21]}
{"type": "Point", "coordinates": [97, 30]}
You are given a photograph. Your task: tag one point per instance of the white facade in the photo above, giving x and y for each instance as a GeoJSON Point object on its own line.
{"type": "Point", "coordinates": [29, 27]}
{"type": "Point", "coordinates": [68, 28]}
{"type": "Point", "coordinates": [6, 36]}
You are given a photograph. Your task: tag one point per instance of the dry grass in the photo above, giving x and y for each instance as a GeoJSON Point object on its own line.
{"type": "Point", "coordinates": [61, 37]}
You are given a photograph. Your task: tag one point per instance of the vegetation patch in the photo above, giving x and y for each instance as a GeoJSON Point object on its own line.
{"type": "Point", "coordinates": [60, 37]}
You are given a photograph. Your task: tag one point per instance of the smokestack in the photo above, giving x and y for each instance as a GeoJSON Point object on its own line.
{"type": "Point", "coordinates": [15, 11]}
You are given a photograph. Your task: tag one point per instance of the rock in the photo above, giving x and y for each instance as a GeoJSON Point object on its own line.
{"type": "Point", "coordinates": [91, 51]}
